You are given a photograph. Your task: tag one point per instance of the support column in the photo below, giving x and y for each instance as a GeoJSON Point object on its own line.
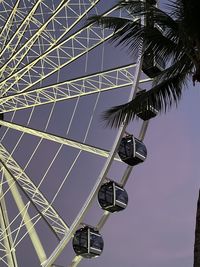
{"type": "Point", "coordinates": [6, 234]}
{"type": "Point", "coordinates": [25, 216]}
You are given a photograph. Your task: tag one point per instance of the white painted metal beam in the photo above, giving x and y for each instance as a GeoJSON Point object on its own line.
{"type": "Point", "coordinates": [66, 52]}
{"type": "Point", "coordinates": [5, 234]}
{"type": "Point", "coordinates": [83, 86]}
{"type": "Point", "coordinates": [24, 214]}
{"type": "Point", "coordinates": [44, 207]}
{"type": "Point", "coordinates": [58, 139]}
{"type": "Point", "coordinates": [16, 57]}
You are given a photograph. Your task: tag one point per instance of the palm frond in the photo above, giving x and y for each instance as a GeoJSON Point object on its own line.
{"type": "Point", "coordinates": [114, 23]}
{"type": "Point", "coordinates": [130, 32]}
{"type": "Point", "coordinates": [125, 30]}
{"type": "Point", "coordinates": [162, 96]}
{"type": "Point", "coordinates": [163, 38]}
{"type": "Point", "coordinates": [167, 90]}
{"type": "Point", "coordinates": [179, 65]}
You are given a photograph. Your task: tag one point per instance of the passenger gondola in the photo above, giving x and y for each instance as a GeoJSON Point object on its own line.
{"type": "Point", "coordinates": [148, 112]}
{"type": "Point", "coordinates": [132, 151]}
{"type": "Point", "coordinates": [112, 197]}
{"type": "Point", "coordinates": [87, 242]}
{"type": "Point", "coordinates": [152, 65]}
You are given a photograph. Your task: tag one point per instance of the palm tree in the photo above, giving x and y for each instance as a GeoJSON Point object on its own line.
{"type": "Point", "coordinates": [197, 236]}
{"type": "Point", "coordinates": [173, 36]}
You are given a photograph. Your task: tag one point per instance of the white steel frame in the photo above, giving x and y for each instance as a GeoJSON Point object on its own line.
{"type": "Point", "coordinates": [22, 87]}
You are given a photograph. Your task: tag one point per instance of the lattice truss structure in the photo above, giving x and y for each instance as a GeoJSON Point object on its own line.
{"type": "Point", "coordinates": [40, 42]}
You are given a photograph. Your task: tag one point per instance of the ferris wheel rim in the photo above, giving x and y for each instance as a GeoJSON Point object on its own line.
{"type": "Point", "coordinates": [46, 262]}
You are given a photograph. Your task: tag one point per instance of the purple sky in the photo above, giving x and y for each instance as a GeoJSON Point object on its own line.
{"type": "Point", "coordinates": [157, 228]}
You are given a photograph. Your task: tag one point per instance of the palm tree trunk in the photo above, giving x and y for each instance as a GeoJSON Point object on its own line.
{"type": "Point", "coordinates": [197, 236]}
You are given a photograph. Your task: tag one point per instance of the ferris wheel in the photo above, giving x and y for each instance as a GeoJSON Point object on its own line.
{"type": "Point", "coordinates": [58, 72]}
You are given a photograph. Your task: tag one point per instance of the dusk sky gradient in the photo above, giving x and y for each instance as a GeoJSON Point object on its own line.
{"type": "Point", "coordinates": [157, 227]}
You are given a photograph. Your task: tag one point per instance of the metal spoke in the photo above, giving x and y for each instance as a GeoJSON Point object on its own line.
{"type": "Point", "coordinates": [21, 54]}
{"type": "Point", "coordinates": [58, 139]}
{"type": "Point", "coordinates": [26, 218]}
{"type": "Point", "coordinates": [5, 31]}
{"type": "Point", "coordinates": [42, 205]}
{"type": "Point", "coordinates": [91, 84]}
{"type": "Point", "coordinates": [6, 234]}
{"type": "Point", "coordinates": [17, 36]}
{"type": "Point", "coordinates": [66, 52]}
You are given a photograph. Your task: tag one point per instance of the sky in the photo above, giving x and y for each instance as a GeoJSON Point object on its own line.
{"type": "Point", "coordinates": [157, 227]}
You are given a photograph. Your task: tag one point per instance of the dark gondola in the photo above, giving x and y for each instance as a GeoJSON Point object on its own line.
{"type": "Point", "coordinates": [112, 197]}
{"type": "Point", "coordinates": [151, 65]}
{"type": "Point", "coordinates": [132, 151]}
{"type": "Point", "coordinates": [148, 112]}
{"type": "Point", "coordinates": [88, 242]}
